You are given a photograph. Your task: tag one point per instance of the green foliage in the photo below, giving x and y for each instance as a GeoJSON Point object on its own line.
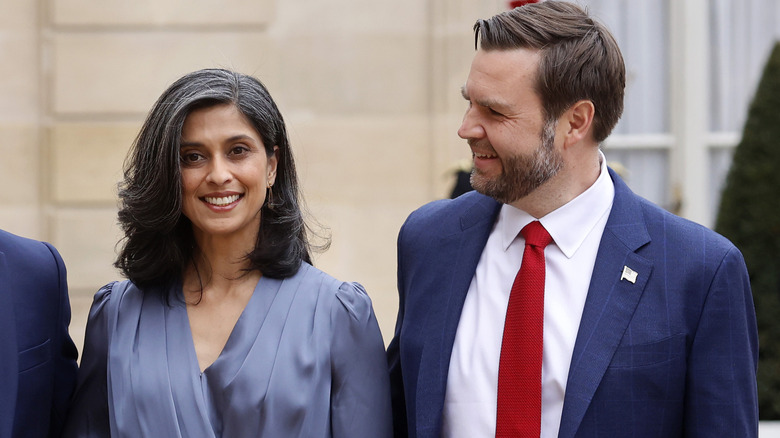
{"type": "Point", "coordinates": [750, 217]}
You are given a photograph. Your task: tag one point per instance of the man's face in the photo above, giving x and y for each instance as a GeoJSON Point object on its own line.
{"type": "Point", "coordinates": [512, 146]}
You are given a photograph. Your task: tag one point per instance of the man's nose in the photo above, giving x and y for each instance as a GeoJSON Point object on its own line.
{"type": "Point", "coordinates": [470, 127]}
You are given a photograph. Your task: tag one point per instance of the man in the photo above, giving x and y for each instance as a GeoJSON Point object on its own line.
{"type": "Point", "coordinates": [37, 356]}
{"type": "Point", "coordinates": [624, 320]}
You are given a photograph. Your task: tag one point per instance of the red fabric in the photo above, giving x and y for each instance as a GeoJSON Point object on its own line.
{"type": "Point", "coordinates": [517, 3]}
{"type": "Point", "coordinates": [520, 367]}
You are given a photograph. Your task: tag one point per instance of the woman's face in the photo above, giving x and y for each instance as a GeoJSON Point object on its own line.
{"type": "Point", "coordinates": [225, 172]}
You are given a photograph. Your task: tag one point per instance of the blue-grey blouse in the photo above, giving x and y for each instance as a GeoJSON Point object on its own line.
{"type": "Point", "coordinates": [305, 359]}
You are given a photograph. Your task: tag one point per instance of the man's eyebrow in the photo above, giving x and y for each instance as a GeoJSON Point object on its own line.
{"type": "Point", "coordinates": [487, 103]}
{"type": "Point", "coordinates": [463, 92]}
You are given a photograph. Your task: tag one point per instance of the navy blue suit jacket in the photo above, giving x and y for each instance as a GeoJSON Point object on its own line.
{"type": "Point", "coordinates": [37, 356]}
{"type": "Point", "coordinates": [672, 354]}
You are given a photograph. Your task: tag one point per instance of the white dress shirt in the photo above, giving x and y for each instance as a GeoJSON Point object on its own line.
{"type": "Point", "coordinates": [576, 229]}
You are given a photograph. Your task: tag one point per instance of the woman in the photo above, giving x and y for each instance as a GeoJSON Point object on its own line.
{"type": "Point", "coordinates": [224, 329]}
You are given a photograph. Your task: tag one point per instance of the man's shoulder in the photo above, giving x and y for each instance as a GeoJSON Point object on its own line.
{"type": "Point", "coordinates": [681, 233]}
{"type": "Point", "coordinates": [9, 240]}
{"type": "Point", "coordinates": [34, 275]}
{"type": "Point", "coordinates": [444, 213]}
{"type": "Point", "coordinates": [662, 226]}
{"type": "Point", "coordinates": [24, 249]}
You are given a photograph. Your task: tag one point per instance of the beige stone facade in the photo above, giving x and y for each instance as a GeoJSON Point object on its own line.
{"type": "Point", "coordinates": [370, 91]}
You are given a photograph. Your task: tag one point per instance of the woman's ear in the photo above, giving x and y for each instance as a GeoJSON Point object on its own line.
{"type": "Point", "coordinates": [273, 161]}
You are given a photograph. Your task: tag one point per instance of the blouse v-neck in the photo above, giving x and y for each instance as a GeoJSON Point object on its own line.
{"type": "Point", "coordinates": [243, 329]}
{"type": "Point", "coordinates": [236, 326]}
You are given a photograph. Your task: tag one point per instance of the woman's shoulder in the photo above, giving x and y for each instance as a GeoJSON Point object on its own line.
{"type": "Point", "coordinates": [348, 296]}
{"type": "Point", "coordinates": [115, 290]}
{"type": "Point", "coordinates": [114, 294]}
{"type": "Point", "coordinates": [355, 299]}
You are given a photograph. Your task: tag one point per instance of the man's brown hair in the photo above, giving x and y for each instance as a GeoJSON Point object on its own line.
{"type": "Point", "coordinates": [579, 58]}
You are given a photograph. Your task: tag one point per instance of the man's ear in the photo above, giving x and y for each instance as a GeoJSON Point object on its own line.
{"type": "Point", "coordinates": [578, 121]}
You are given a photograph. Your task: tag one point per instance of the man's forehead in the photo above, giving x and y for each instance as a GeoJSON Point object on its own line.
{"type": "Point", "coordinates": [485, 99]}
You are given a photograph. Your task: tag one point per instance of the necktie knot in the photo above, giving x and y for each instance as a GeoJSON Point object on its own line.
{"type": "Point", "coordinates": [535, 235]}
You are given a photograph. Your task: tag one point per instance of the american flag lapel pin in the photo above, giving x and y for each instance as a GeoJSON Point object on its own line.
{"type": "Point", "coordinates": [629, 274]}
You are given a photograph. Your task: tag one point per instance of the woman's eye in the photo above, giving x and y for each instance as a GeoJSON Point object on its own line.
{"type": "Point", "coordinates": [191, 157]}
{"type": "Point", "coordinates": [239, 150]}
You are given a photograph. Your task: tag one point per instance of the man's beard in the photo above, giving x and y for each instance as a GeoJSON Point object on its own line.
{"type": "Point", "coordinates": [522, 174]}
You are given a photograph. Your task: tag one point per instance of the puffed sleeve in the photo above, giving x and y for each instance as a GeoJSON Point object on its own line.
{"type": "Point", "coordinates": [360, 394]}
{"type": "Point", "coordinates": [88, 416]}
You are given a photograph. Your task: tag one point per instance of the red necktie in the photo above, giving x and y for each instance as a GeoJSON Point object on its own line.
{"type": "Point", "coordinates": [519, 412]}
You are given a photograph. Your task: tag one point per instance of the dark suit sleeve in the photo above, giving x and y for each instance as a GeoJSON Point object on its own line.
{"type": "Point", "coordinates": [64, 351]}
{"type": "Point", "coordinates": [400, 426]}
{"type": "Point", "coordinates": [721, 394]}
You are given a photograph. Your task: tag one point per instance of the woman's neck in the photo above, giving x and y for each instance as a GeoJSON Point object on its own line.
{"type": "Point", "coordinates": [220, 265]}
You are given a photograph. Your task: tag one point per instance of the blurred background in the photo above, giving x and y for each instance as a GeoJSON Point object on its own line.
{"type": "Point", "coordinates": [371, 94]}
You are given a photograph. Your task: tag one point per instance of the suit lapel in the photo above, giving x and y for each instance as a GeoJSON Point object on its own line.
{"type": "Point", "coordinates": [460, 252]}
{"type": "Point", "coordinates": [9, 371]}
{"type": "Point", "coordinates": [610, 304]}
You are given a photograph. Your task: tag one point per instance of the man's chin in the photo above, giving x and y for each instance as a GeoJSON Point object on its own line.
{"type": "Point", "coordinates": [502, 194]}
{"type": "Point", "coordinates": [482, 185]}
{"type": "Point", "coordinates": [490, 190]}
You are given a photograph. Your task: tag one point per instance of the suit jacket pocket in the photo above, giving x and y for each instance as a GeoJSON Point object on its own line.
{"type": "Point", "coordinates": [34, 356]}
{"type": "Point", "coordinates": [649, 354]}
{"type": "Point", "coordinates": [646, 373]}
{"type": "Point", "coordinates": [642, 392]}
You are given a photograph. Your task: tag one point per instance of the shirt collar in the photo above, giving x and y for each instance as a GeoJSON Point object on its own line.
{"type": "Point", "coordinates": [571, 223]}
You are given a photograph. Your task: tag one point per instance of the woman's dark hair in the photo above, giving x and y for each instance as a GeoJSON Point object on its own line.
{"type": "Point", "coordinates": [580, 59]}
{"type": "Point", "coordinates": [158, 242]}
